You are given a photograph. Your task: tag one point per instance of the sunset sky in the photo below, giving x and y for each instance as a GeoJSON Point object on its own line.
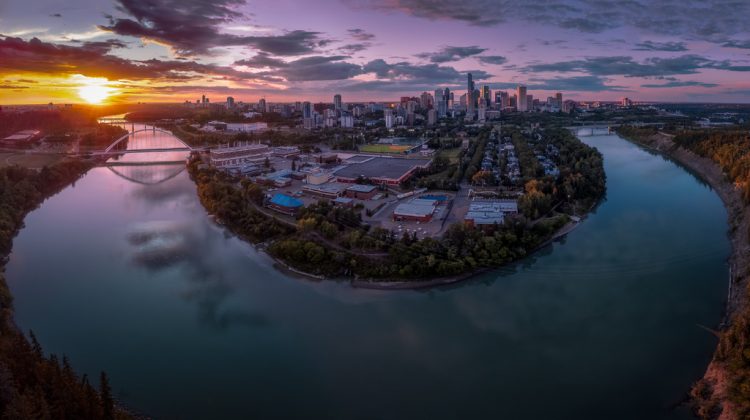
{"type": "Point", "coordinates": [176, 50]}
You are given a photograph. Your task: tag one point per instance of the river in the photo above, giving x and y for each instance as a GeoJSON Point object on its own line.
{"type": "Point", "coordinates": [126, 273]}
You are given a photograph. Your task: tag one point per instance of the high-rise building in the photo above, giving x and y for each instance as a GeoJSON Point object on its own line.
{"type": "Point", "coordinates": [431, 117]}
{"type": "Point", "coordinates": [262, 106]}
{"type": "Point", "coordinates": [306, 110]}
{"type": "Point", "coordinates": [502, 99]}
{"type": "Point", "coordinates": [469, 97]}
{"type": "Point", "coordinates": [521, 99]}
{"type": "Point", "coordinates": [425, 100]}
{"type": "Point", "coordinates": [230, 102]}
{"type": "Point", "coordinates": [346, 120]}
{"type": "Point", "coordinates": [485, 95]}
{"type": "Point", "coordinates": [529, 102]}
{"type": "Point", "coordinates": [626, 102]}
{"type": "Point", "coordinates": [388, 118]}
{"type": "Point", "coordinates": [559, 98]}
{"type": "Point", "coordinates": [337, 102]}
{"type": "Point", "coordinates": [440, 103]}
{"type": "Point", "coordinates": [482, 114]}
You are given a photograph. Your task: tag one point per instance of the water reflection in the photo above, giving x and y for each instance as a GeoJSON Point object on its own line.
{"type": "Point", "coordinates": [600, 325]}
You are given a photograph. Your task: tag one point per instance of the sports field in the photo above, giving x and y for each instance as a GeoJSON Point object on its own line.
{"type": "Point", "coordinates": [383, 148]}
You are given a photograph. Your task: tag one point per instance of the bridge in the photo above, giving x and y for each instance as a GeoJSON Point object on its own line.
{"type": "Point", "coordinates": [592, 130]}
{"type": "Point", "coordinates": [159, 144]}
{"type": "Point", "coordinates": [148, 174]}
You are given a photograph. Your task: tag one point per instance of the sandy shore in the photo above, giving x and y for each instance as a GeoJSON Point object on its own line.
{"type": "Point", "coordinates": [710, 393]}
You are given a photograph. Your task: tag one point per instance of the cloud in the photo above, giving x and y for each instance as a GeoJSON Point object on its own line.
{"type": "Point", "coordinates": [701, 19]}
{"type": "Point", "coordinates": [677, 84]}
{"type": "Point", "coordinates": [447, 54]}
{"type": "Point", "coordinates": [360, 35]}
{"type": "Point", "coordinates": [192, 27]}
{"type": "Point", "coordinates": [261, 60]}
{"type": "Point", "coordinates": [2, 86]}
{"type": "Point", "coordinates": [319, 68]}
{"type": "Point", "coordinates": [354, 48]}
{"type": "Point", "coordinates": [660, 46]}
{"type": "Point", "coordinates": [36, 56]}
{"type": "Point", "coordinates": [492, 59]}
{"type": "Point", "coordinates": [425, 73]}
{"type": "Point", "coordinates": [736, 44]}
{"type": "Point", "coordinates": [627, 66]}
{"type": "Point", "coordinates": [575, 83]}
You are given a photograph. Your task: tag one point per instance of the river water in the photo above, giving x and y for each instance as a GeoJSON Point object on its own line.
{"type": "Point", "coordinates": [125, 272]}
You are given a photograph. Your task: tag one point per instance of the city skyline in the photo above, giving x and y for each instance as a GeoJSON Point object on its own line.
{"type": "Point", "coordinates": [169, 51]}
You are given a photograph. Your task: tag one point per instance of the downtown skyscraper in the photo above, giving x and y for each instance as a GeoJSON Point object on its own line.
{"type": "Point", "coordinates": [470, 97]}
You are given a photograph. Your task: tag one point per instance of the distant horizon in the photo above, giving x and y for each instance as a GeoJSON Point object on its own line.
{"type": "Point", "coordinates": [151, 51]}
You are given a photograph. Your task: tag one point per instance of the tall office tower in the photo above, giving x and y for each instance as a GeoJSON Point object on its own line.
{"type": "Point", "coordinates": [306, 110]}
{"type": "Point", "coordinates": [486, 95]}
{"type": "Point", "coordinates": [431, 117]}
{"type": "Point", "coordinates": [559, 99]}
{"type": "Point", "coordinates": [529, 102]}
{"type": "Point", "coordinates": [452, 100]}
{"type": "Point", "coordinates": [230, 102]}
{"type": "Point", "coordinates": [462, 100]}
{"type": "Point", "coordinates": [440, 103]}
{"type": "Point", "coordinates": [448, 98]}
{"type": "Point", "coordinates": [425, 100]}
{"type": "Point", "coordinates": [521, 99]}
{"type": "Point", "coordinates": [262, 107]}
{"type": "Point", "coordinates": [337, 102]}
{"type": "Point", "coordinates": [388, 118]}
{"type": "Point", "coordinates": [470, 97]}
{"type": "Point", "coordinates": [482, 115]}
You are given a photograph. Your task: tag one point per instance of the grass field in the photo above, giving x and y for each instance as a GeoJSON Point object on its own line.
{"type": "Point", "coordinates": [28, 161]}
{"type": "Point", "coordinates": [383, 148]}
{"type": "Point", "coordinates": [451, 154]}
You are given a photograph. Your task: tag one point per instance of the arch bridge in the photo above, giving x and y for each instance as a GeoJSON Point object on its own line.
{"type": "Point", "coordinates": [147, 144]}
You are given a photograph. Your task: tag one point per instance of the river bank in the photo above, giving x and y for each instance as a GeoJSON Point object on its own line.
{"type": "Point", "coordinates": [711, 394]}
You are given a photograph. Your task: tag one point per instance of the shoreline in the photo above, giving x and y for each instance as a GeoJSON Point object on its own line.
{"type": "Point", "coordinates": [711, 392]}
{"type": "Point", "coordinates": [447, 281]}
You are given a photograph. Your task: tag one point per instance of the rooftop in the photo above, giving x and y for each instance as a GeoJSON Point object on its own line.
{"type": "Point", "coordinates": [361, 188]}
{"type": "Point", "coordinates": [285, 201]}
{"type": "Point", "coordinates": [381, 167]}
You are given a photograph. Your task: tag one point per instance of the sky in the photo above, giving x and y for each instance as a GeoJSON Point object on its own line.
{"type": "Point", "coordinates": [117, 51]}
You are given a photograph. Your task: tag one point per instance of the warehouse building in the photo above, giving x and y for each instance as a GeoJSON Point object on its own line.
{"type": "Point", "coordinates": [361, 192]}
{"type": "Point", "coordinates": [285, 204]}
{"type": "Point", "coordinates": [488, 213]}
{"type": "Point", "coordinates": [329, 191]}
{"type": "Point", "coordinates": [417, 210]}
{"type": "Point", "coordinates": [382, 170]}
{"type": "Point", "coordinates": [20, 138]}
{"type": "Point", "coordinates": [238, 156]}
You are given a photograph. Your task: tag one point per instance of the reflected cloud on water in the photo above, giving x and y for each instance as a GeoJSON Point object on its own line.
{"type": "Point", "coordinates": [159, 246]}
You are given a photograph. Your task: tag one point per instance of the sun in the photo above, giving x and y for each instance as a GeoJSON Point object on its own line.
{"type": "Point", "coordinates": [93, 90]}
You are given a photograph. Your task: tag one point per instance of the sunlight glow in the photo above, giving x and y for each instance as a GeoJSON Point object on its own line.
{"type": "Point", "coordinates": [93, 90]}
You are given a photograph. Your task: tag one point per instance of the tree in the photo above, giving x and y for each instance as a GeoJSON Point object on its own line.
{"type": "Point", "coordinates": [105, 393]}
